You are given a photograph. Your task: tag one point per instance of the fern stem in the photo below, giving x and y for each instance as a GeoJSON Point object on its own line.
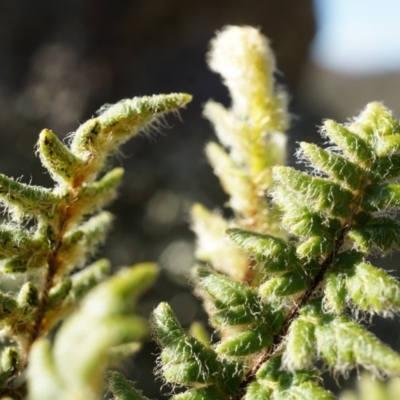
{"type": "Point", "coordinates": [53, 267]}
{"type": "Point", "coordinates": [293, 313]}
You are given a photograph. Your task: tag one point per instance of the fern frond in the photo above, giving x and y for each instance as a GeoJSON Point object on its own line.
{"type": "Point", "coordinates": [51, 234]}
{"type": "Point", "coordinates": [73, 368]}
{"type": "Point", "coordinates": [336, 221]}
{"type": "Point", "coordinates": [292, 303]}
{"type": "Point", "coordinates": [187, 361]}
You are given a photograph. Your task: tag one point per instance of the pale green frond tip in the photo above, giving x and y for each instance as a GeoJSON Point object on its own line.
{"type": "Point", "coordinates": [243, 57]}
{"type": "Point", "coordinates": [141, 109]}
{"type": "Point", "coordinates": [229, 46]}
{"type": "Point", "coordinates": [119, 122]}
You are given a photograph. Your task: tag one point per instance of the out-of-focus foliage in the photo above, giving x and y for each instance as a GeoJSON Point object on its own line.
{"type": "Point", "coordinates": [103, 331]}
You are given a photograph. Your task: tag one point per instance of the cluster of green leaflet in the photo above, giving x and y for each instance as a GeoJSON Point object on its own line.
{"type": "Point", "coordinates": [45, 246]}
{"type": "Point", "coordinates": [301, 273]}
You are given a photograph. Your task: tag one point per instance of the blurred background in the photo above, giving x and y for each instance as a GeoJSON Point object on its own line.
{"type": "Point", "coordinates": [61, 60]}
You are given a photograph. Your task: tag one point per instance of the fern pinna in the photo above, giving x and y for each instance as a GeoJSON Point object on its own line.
{"type": "Point", "coordinates": [300, 271]}
{"type": "Point", "coordinates": [49, 237]}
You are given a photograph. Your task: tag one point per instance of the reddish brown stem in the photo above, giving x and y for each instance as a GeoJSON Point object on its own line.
{"type": "Point", "coordinates": [305, 298]}
{"type": "Point", "coordinates": [53, 266]}
{"type": "Point", "coordinates": [294, 312]}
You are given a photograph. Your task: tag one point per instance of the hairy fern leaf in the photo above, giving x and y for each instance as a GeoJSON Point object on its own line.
{"type": "Point", "coordinates": [51, 234]}
{"type": "Point", "coordinates": [348, 208]}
